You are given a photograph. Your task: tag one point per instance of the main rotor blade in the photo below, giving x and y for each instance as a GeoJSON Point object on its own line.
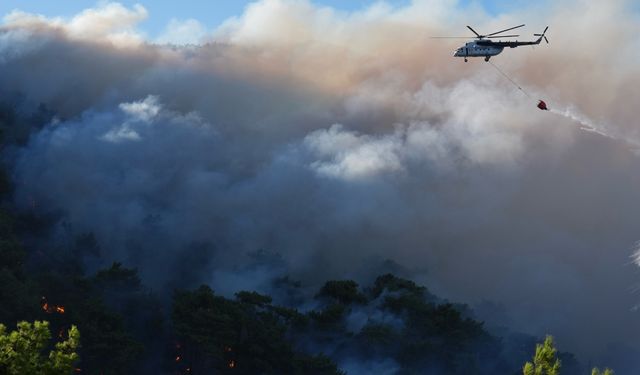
{"type": "Point", "coordinates": [451, 37]}
{"type": "Point", "coordinates": [502, 36]}
{"type": "Point", "coordinates": [469, 27]}
{"type": "Point", "coordinates": [498, 32]}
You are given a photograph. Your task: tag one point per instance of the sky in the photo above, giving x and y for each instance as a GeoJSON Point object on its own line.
{"type": "Point", "coordinates": [209, 13]}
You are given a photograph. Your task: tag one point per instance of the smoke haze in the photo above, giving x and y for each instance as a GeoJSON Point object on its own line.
{"type": "Point", "coordinates": [340, 140]}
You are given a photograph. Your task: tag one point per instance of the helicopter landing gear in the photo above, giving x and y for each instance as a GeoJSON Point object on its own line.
{"type": "Point", "coordinates": [465, 59]}
{"type": "Point", "coordinates": [486, 58]}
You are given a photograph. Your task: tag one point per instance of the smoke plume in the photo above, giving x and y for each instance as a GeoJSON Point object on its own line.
{"type": "Point", "coordinates": [342, 139]}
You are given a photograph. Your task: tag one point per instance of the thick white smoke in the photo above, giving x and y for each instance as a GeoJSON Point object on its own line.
{"type": "Point", "coordinates": [340, 140]}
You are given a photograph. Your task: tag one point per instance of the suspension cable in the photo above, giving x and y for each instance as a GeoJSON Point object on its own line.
{"type": "Point", "coordinates": [511, 80]}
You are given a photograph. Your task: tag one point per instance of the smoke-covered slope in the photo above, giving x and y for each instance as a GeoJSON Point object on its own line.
{"type": "Point", "coordinates": [340, 140]}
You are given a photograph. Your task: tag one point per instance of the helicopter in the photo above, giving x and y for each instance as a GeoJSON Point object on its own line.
{"type": "Point", "coordinates": [482, 46]}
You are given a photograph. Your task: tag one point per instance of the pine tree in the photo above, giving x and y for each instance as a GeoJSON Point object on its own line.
{"type": "Point", "coordinates": [596, 371]}
{"type": "Point", "coordinates": [545, 361]}
{"type": "Point", "coordinates": [21, 351]}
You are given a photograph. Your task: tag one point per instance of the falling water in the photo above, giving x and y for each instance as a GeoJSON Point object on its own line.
{"type": "Point", "coordinates": [586, 124]}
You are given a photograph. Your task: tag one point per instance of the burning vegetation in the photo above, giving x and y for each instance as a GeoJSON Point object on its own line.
{"type": "Point", "coordinates": [250, 334]}
{"type": "Point", "coordinates": [50, 308]}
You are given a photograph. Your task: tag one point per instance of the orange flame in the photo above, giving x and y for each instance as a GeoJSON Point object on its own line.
{"type": "Point", "coordinates": [232, 364]}
{"type": "Point", "coordinates": [50, 309]}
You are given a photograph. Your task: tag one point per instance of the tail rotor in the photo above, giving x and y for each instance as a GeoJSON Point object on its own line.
{"type": "Point", "coordinates": [542, 35]}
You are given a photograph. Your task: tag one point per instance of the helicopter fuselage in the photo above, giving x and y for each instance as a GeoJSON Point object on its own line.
{"type": "Point", "coordinates": [478, 49]}
{"type": "Point", "coordinates": [487, 48]}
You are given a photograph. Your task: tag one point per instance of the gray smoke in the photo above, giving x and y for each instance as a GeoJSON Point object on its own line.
{"type": "Point", "coordinates": [339, 140]}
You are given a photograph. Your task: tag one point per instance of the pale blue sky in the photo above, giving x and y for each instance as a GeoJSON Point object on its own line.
{"type": "Point", "coordinates": [209, 12]}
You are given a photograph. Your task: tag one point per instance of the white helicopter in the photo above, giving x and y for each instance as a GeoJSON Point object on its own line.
{"type": "Point", "coordinates": [482, 46]}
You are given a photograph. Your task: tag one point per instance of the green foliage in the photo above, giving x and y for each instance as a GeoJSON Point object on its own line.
{"type": "Point", "coordinates": [117, 277]}
{"type": "Point", "coordinates": [12, 255]}
{"type": "Point", "coordinates": [342, 291]}
{"type": "Point", "coordinates": [248, 334]}
{"type": "Point", "coordinates": [206, 320]}
{"type": "Point", "coordinates": [545, 361]}
{"type": "Point", "coordinates": [107, 347]}
{"type": "Point", "coordinates": [378, 334]}
{"type": "Point", "coordinates": [392, 283]}
{"type": "Point", "coordinates": [316, 365]}
{"type": "Point", "coordinates": [65, 356]}
{"type": "Point", "coordinates": [6, 188]}
{"type": "Point", "coordinates": [292, 316]}
{"type": "Point", "coordinates": [253, 298]}
{"type": "Point", "coordinates": [256, 336]}
{"type": "Point", "coordinates": [596, 371]}
{"type": "Point", "coordinates": [431, 333]}
{"type": "Point", "coordinates": [21, 351]}
{"type": "Point", "coordinates": [331, 317]}
{"type": "Point", "coordinates": [18, 298]}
